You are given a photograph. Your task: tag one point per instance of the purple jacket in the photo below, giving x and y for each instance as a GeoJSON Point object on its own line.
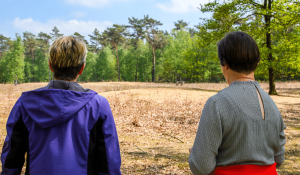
{"type": "Point", "coordinates": [65, 130]}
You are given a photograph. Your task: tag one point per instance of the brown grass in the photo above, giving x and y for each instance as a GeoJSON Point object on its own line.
{"type": "Point", "coordinates": [157, 123]}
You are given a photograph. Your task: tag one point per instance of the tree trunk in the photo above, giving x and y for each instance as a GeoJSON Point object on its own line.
{"type": "Point", "coordinates": [124, 45]}
{"type": "Point", "coordinates": [289, 75]}
{"type": "Point", "coordinates": [173, 78]}
{"type": "Point", "coordinates": [153, 67]}
{"type": "Point", "coordinates": [203, 73]}
{"type": "Point", "coordinates": [117, 61]}
{"type": "Point", "coordinates": [272, 89]}
{"type": "Point", "coordinates": [32, 64]}
{"type": "Point", "coordinates": [32, 55]}
{"type": "Point", "coordinates": [136, 68]}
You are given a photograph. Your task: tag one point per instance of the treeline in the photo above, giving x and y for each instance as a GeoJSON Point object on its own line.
{"type": "Point", "coordinates": [140, 51]}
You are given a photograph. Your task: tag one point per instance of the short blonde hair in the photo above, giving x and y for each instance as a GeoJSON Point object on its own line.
{"type": "Point", "coordinates": [67, 56]}
{"type": "Point", "coordinates": [67, 51]}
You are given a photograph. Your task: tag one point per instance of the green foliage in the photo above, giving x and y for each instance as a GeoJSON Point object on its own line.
{"type": "Point", "coordinates": [12, 64]}
{"type": "Point", "coordinates": [272, 23]}
{"type": "Point", "coordinates": [149, 54]}
{"type": "Point", "coordinates": [3, 69]}
{"type": "Point", "coordinates": [5, 44]}
{"type": "Point", "coordinates": [43, 41]}
{"type": "Point", "coordinates": [30, 43]}
{"type": "Point", "coordinates": [37, 71]}
{"type": "Point", "coordinates": [89, 70]}
{"type": "Point", "coordinates": [156, 39]}
{"type": "Point", "coordinates": [173, 57]}
{"type": "Point", "coordinates": [144, 73]}
{"type": "Point", "coordinates": [95, 41]}
{"type": "Point", "coordinates": [106, 66]}
{"type": "Point", "coordinates": [55, 33]}
{"type": "Point", "coordinates": [128, 63]}
{"type": "Point", "coordinates": [115, 36]}
{"type": "Point", "coordinates": [28, 72]}
{"type": "Point", "coordinates": [80, 37]}
{"type": "Point", "coordinates": [180, 25]}
{"type": "Point", "coordinates": [40, 66]}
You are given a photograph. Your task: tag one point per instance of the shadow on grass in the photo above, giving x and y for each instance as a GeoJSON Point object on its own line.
{"type": "Point", "coordinates": [157, 163]}
{"type": "Point", "coordinates": [292, 152]}
{"type": "Point", "coordinates": [290, 93]}
{"type": "Point", "coordinates": [184, 88]}
{"type": "Point", "coordinates": [161, 153]}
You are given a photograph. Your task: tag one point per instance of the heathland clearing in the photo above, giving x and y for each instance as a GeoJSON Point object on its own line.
{"type": "Point", "coordinates": [157, 123]}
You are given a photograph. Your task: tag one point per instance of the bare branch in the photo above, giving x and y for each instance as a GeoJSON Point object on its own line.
{"type": "Point", "coordinates": [140, 149]}
{"type": "Point", "coordinates": [256, 4]}
{"type": "Point", "coordinates": [173, 137]}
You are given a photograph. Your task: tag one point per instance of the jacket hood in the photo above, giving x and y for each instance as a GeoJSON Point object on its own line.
{"type": "Point", "coordinates": [50, 107]}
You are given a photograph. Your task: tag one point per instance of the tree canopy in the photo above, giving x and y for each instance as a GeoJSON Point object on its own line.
{"type": "Point", "coordinates": [141, 51]}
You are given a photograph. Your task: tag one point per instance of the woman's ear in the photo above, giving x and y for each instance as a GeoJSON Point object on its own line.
{"type": "Point", "coordinates": [81, 70]}
{"type": "Point", "coordinates": [227, 67]}
{"type": "Point", "coordinates": [50, 66]}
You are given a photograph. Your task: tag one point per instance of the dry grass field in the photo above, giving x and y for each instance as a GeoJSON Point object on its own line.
{"type": "Point", "coordinates": [157, 123]}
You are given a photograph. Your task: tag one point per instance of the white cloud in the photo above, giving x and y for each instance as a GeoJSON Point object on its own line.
{"type": "Point", "coordinates": [68, 27]}
{"type": "Point", "coordinates": [91, 3]}
{"type": "Point", "coordinates": [78, 14]}
{"type": "Point", "coordinates": [181, 6]}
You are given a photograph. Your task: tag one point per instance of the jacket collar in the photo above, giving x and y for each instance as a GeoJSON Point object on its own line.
{"type": "Point", "coordinates": [66, 85]}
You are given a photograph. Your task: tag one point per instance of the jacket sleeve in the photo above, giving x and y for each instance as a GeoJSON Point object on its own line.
{"type": "Point", "coordinates": [202, 160]}
{"type": "Point", "coordinates": [111, 141]}
{"type": "Point", "coordinates": [16, 143]}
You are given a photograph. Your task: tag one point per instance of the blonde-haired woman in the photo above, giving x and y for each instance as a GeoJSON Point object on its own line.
{"type": "Point", "coordinates": [64, 128]}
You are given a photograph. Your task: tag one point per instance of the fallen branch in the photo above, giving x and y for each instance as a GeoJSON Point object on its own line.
{"type": "Point", "coordinates": [173, 137]}
{"type": "Point", "coordinates": [140, 149]}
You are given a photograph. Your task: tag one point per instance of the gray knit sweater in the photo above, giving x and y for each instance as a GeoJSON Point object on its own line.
{"type": "Point", "coordinates": [232, 131]}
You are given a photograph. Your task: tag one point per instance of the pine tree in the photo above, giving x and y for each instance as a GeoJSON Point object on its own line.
{"type": "Point", "coordinates": [138, 26]}
{"type": "Point", "coordinates": [115, 36]}
{"type": "Point", "coordinates": [43, 41]}
{"type": "Point", "coordinates": [30, 44]}
{"type": "Point", "coordinates": [155, 38]}
{"type": "Point", "coordinates": [44, 44]}
{"type": "Point", "coordinates": [41, 66]}
{"type": "Point", "coordinates": [55, 33]}
{"type": "Point", "coordinates": [5, 43]}
{"type": "Point", "coordinates": [80, 37]}
{"type": "Point", "coordinates": [180, 25]}
{"type": "Point", "coordinates": [95, 40]}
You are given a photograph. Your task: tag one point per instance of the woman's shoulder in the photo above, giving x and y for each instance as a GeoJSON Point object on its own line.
{"type": "Point", "coordinates": [222, 94]}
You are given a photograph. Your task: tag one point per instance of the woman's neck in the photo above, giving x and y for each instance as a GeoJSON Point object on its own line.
{"type": "Point", "coordinates": [69, 80]}
{"type": "Point", "coordinates": [240, 77]}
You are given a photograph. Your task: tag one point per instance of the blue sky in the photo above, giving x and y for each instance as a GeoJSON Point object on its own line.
{"type": "Point", "coordinates": [83, 16]}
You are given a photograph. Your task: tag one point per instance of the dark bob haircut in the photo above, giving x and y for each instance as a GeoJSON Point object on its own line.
{"type": "Point", "coordinates": [239, 52]}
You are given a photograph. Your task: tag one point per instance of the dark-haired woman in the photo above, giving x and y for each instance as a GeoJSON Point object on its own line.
{"type": "Point", "coordinates": [241, 130]}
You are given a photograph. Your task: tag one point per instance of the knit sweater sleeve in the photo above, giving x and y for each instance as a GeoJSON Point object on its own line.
{"type": "Point", "coordinates": [202, 160]}
{"type": "Point", "coordinates": [279, 153]}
